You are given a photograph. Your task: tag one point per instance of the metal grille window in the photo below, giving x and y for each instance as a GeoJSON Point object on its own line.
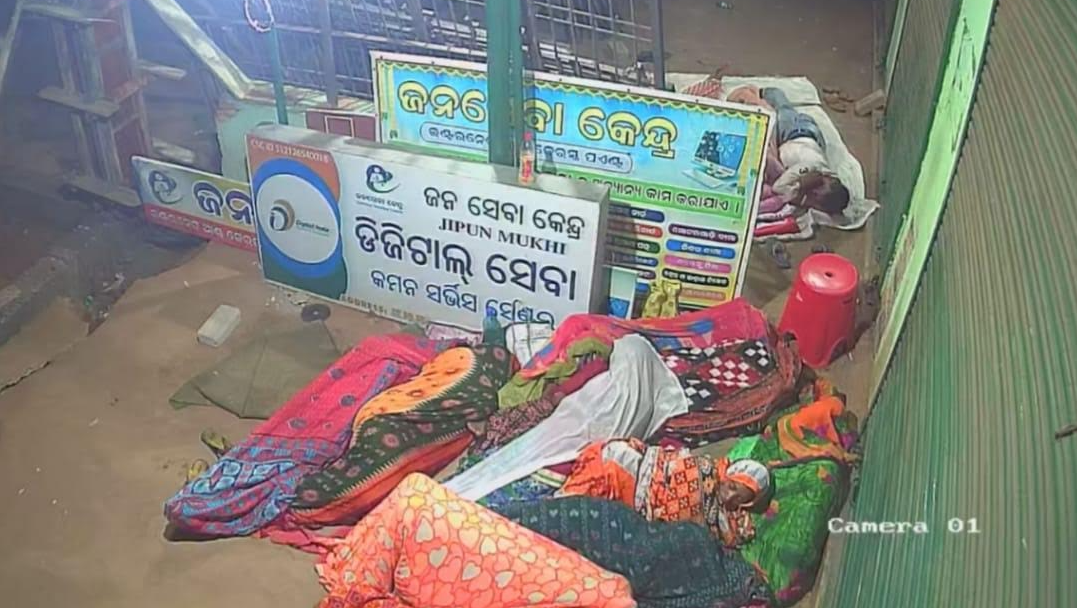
{"type": "Point", "coordinates": [609, 40]}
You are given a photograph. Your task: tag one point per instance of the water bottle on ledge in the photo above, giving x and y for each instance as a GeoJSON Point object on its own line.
{"type": "Point", "coordinates": [527, 160]}
{"type": "Point", "coordinates": [492, 332]}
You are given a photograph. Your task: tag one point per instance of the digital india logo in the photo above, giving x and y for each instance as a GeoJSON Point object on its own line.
{"type": "Point", "coordinates": [164, 188]}
{"type": "Point", "coordinates": [379, 180]}
{"type": "Point", "coordinates": [281, 216]}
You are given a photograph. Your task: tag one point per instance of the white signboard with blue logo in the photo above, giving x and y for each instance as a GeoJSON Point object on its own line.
{"type": "Point", "coordinates": [198, 203]}
{"type": "Point", "coordinates": [419, 238]}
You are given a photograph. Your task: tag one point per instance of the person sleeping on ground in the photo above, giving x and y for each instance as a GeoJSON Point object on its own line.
{"type": "Point", "coordinates": [633, 398]}
{"type": "Point", "coordinates": [425, 547]}
{"type": "Point", "coordinates": [807, 182]}
{"type": "Point", "coordinates": [418, 426]}
{"type": "Point", "coordinates": [807, 452]}
{"type": "Point", "coordinates": [769, 497]}
{"type": "Point", "coordinates": [669, 484]}
{"type": "Point", "coordinates": [668, 564]}
{"type": "Point", "coordinates": [249, 490]}
{"type": "Point", "coordinates": [717, 375]}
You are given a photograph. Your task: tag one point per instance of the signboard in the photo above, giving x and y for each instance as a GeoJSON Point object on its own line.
{"type": "Point", "coordinates": [198, 203]}
{"type": "Point", "coordinates": [417, 238]}
{"type": "Point", "coordinates": [684, 172]}
{"type": "Point", "coordinates": [961, 74]}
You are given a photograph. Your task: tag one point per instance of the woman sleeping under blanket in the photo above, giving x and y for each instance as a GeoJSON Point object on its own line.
{"type": "Point", "coordinates": [807, 453]}
{"type": "Point", "coordinates": [633, 398]}
{"type": "Point", "coordinates": [679, 388]}
{"type": "Point", "coordinates": [769, 497]}
{"type": "Point", "coordinates": [417, 426]}
{"type": "Point", "coordinates": [251, 487]}
{"type": "Point", "coordinates": [425, 546]}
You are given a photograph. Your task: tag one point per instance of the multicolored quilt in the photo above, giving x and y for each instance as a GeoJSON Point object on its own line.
{"type": "Point", "coordinates": [253, 484]}
{"type": "Point", "coordinates": [425, 547]}
{"type": "Point", "coordinates": [418, 426]}
{"type": "Point", "coordinates": [669, 565]}
{"type": "Point", "coordinates": [581, 338]}
{"type": "Point", "coordinates": [731, 385]}
{"type": "Point", "coordinates": [808, 489]}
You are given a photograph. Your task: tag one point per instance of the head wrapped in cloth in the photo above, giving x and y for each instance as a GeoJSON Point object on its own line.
{"type": "Point", "coordinates": [751, 474]}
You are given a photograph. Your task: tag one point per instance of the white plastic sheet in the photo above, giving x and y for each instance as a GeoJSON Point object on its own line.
{"type": "Point", "coordinates": [631, 399]}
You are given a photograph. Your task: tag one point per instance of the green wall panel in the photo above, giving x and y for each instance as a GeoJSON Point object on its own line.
{"type": "Point", "coordinates": [908, 111]}
{"type": "Point", "coordinates": [986, 370]}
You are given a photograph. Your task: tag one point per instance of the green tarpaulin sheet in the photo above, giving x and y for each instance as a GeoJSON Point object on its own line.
{"type": "Point", "coordinates": [262, 375]}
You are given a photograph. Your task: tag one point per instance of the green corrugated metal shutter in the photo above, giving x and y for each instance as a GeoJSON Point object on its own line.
{"type": "Point", "coordinates": [908, 111]}
{"type": "Point", "coordinates": [986, 371]}
{"type": "Point", "coordinates": [889, 13]}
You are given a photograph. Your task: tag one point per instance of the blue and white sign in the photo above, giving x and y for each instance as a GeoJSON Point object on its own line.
{"type": "Point", "coordinates": [419, 238]}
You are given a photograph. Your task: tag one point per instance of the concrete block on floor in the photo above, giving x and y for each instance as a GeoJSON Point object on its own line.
{"type": "Point", "coordinates": [867, 104]}
{"type": "Point", "coordinates": [219, 326]}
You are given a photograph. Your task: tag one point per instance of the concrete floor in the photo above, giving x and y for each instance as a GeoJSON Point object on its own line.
{"type": "Point", "coordinates": [28, 228]}
{"type": "Point", "coordinates": [90, 448]}
{"type": "Point", "coordinates": [17, 228]}
{"type": "Point", "coordinates": [829, 41]}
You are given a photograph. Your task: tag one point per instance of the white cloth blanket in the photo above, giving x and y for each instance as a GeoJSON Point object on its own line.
{"type": "Point", "coordinates": [631, 399]}
{"type": "Point", "coordinates": [527, 339]}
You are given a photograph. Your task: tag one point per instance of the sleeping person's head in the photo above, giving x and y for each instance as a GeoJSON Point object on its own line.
{"type": "Point", "coordinates": [823, 191]}
{"type": "Point", "coordinates": [742, 484]}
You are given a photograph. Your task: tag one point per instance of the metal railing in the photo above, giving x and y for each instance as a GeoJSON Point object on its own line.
{"type": "Point", "coordinates": [613, 40]}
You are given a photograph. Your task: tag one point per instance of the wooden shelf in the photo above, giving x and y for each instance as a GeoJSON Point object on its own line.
{"type": "Point", "coordinates": [172, 152]}
{"type": "Point", "coordinates": [100, 107]}
{"type": "Point", "coordinates": [63, 13]}
{"type": "Point", "coordinates": [157, 70]}
{"type": "Point", "coordinates": [124, 92]}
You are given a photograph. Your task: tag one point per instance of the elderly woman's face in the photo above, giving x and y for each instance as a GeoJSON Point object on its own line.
{"type": "Point", "coordinates": [734, 495]}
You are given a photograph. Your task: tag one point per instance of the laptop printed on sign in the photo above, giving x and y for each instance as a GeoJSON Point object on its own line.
{"type": "Point", "coordinates": [718, 157]}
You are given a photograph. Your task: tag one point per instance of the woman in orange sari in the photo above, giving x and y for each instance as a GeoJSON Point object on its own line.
{"type": "Point", "coordinates": [666, 484]}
